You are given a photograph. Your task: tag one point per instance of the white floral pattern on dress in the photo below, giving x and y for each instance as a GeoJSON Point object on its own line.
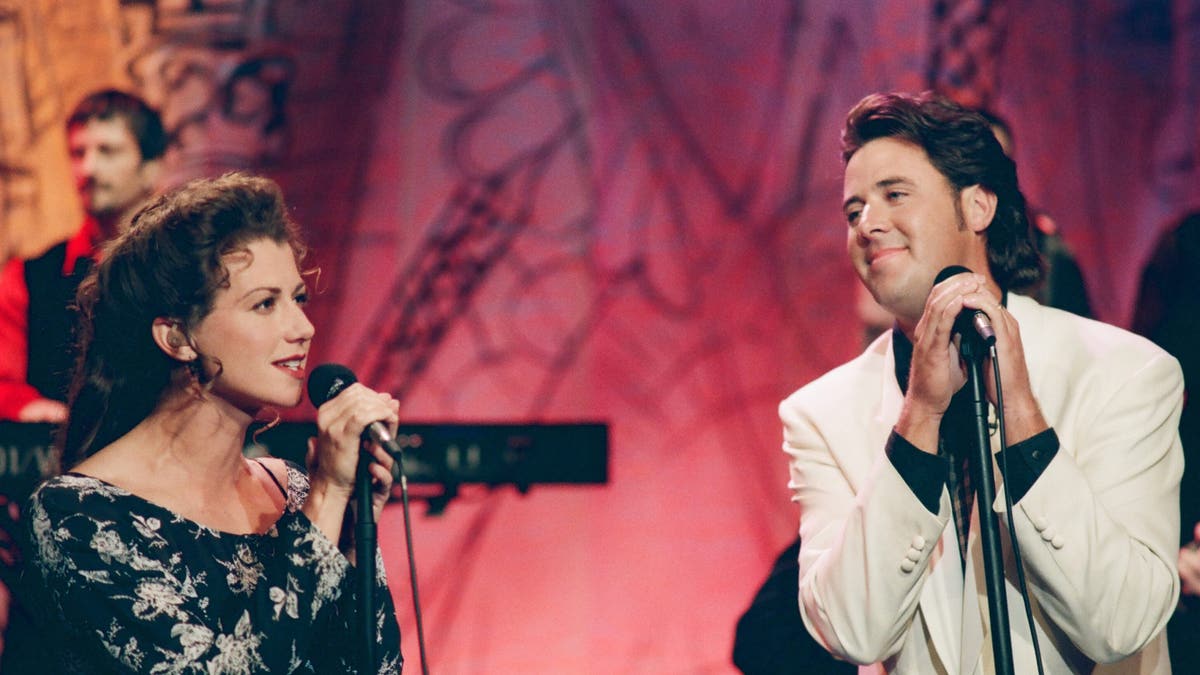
{"type": "Point", "coordinates": [139, 589]}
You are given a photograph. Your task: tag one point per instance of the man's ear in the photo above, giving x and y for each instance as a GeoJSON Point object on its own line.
{"type": "Point", "coordinates": [978, 207]}
{"type": "Point", "coordinates": [169, 336]}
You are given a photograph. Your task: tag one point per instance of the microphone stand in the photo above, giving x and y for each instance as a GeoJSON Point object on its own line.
{"type": "Point", "coordinates": [412, 558]}
{"type": "Point", "coordinates": [973, 351]}
{"type": "Point", "coordinates": [365, 536]}
{"type": "Point", "coordinates": [397, 452]}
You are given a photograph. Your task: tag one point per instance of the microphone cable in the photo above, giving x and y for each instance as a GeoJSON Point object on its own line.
{"type": "Point", "coordinates": [1008, 505]}
{"type": "Point", "coordinates": [412, 559]}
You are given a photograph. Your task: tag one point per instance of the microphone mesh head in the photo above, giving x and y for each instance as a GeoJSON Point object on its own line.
{"type": "Point", "coordinates": [328, 380]}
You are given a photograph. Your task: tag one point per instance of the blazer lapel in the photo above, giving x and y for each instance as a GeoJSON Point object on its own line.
{"type": "Point", "coordinates": [941, 596]}
{"type": "Point", "coordinates": [891, 399]}
{"type": "Point", "coordinates": [974, 603]}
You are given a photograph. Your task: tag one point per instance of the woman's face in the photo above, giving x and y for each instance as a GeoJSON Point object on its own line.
{"type": "Point", "coordinates": [257, 335]}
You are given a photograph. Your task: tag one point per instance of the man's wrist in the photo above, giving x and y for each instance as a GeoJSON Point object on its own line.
{"type": "Point", "coordinates": [1022, 423]}
{"type": "Point", "coordinates": [920, 427]}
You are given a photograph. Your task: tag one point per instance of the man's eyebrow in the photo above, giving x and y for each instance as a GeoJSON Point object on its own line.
{"type": "Point", "coordinates": [881, 184]}
{"type": "Point", "coordinates": [889, 182]}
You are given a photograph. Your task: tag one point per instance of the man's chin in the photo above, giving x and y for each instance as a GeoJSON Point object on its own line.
{"type": "Point", "coordinates": [101, 211]}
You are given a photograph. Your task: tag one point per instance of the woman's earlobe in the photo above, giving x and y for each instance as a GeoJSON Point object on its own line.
{"type": "Point", "coordinates": [169, 336]}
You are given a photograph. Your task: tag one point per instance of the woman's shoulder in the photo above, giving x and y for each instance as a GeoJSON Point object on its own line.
{"type": "Point", "coordinates": [70, 491]}
{"type": "Point", "coordinates": [290, 477]}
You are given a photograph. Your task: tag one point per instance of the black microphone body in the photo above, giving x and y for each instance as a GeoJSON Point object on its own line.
{"type": "Point", "coordinates": [970, 322]}
{"type": "Point", "coordinates": [330, 379]}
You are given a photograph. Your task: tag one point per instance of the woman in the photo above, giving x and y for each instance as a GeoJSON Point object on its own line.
{"type": "Point", "coordinates": [163, 549]}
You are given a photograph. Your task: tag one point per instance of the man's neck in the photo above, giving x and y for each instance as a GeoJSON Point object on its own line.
{"type": "Point", "coordinates": [107, 225]}
{"type": "Point", "coordinates": [112, 223]}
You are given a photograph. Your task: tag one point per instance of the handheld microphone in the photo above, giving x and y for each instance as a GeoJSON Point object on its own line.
{"type": "Point", "coordinates": [330, 379]}
{"type": "Point", "coordinates": [969, 321]}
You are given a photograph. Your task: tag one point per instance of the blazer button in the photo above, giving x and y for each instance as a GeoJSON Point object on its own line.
{"type": "Point", "coordinates": [1058, 541]}
{"type": "Point", "coordinates": [918, 543]}
{"type": "Point", "coordinates": [1039, 524]}
{"type": "Point", "coordinates": [907, 565]}
{"type": "Point", "coordinates": [1047, 535]}
{"type": "Point", "coordinates": [914, 556]}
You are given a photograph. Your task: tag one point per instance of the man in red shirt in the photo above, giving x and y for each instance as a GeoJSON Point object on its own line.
{"type": "Point", "coordinates": [116, 143]}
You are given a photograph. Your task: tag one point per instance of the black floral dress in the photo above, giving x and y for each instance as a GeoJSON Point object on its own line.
{"type": "Point", "coordinates": [135, 588]}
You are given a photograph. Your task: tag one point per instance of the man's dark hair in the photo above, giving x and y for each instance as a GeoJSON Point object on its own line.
{"type": "Point", "coordinates": [143, 121]}
{"type": "Point", "coordinates": [995, 121]}
{"type": "Point", "coordinates": [962, 147]}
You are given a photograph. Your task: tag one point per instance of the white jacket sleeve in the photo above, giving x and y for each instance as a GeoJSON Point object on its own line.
{"type": "Point", "coordinates": [1099, 528]}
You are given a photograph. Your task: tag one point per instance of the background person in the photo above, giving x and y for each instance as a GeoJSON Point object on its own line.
{"type": "Point", "coordinates": [1168, 312]}
{"type": "Point", "coordinates": [1062, 284]}
{"type": "Point", "coordinates": [116, 144]}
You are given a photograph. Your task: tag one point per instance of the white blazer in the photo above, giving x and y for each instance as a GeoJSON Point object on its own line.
{"type": "Point", "coordinates": [881, 579]}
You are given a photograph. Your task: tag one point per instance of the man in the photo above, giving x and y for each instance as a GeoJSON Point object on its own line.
{"type": "Point", "coordinates": [116, 143]}
{"type": "Point", "coordinates": [875, 455]}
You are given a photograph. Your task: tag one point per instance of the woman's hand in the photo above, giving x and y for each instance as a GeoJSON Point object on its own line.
{"type": "Point", "coordinates": [381, 476]}
{"type": "Point", "coordinates": [340, 423]}
{"type": "Point", "coordinates": [334, 455]}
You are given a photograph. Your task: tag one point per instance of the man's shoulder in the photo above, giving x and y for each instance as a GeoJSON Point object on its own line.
{"type": "Point", "coordinates": [50, 259]}
{"type": "Point", "coordinates": [1073, 346]}
{"type": "Point", "coordinates": [79, 243]}
{"type": "Point", "coordinates": [1060, 330]}
{"type": "Point", "coordinates": [12, 271]}
{"type": "Point", "coordinates": [848, 380]}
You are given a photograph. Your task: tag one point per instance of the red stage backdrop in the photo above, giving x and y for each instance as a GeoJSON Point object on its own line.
{"type": "Point", "coordinates": [620, 211]}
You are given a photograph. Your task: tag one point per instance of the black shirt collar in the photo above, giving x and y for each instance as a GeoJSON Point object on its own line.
{"type": "Point", "coordinates": [902, 348]}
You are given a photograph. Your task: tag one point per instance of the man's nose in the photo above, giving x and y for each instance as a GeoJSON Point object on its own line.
{"type": "Point", "coordinates": [874, 219]}
{"type": "Point", "coordinates": [85, 163]}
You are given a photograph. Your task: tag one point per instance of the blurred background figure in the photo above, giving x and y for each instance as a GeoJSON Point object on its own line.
{"type": "Point", "coordinates": [1063, 285]}
{"type": "Point", "coordinates": [1168, 312]}
{"type": "Point", "coordinates": [771, 638]}
{"type": "Point", "coordinates": [116, 142]}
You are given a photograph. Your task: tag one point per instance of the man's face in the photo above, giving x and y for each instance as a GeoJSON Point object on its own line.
{"type": "Point", "coordinates": [107, 165]}
{"type": "Point", "coordinates": [905, 225]}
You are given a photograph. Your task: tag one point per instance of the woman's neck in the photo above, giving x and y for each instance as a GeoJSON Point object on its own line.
{"type": "Point", "coordinates": [192, 441]}
{"type": "Point", "coordinates": [187, 457]}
